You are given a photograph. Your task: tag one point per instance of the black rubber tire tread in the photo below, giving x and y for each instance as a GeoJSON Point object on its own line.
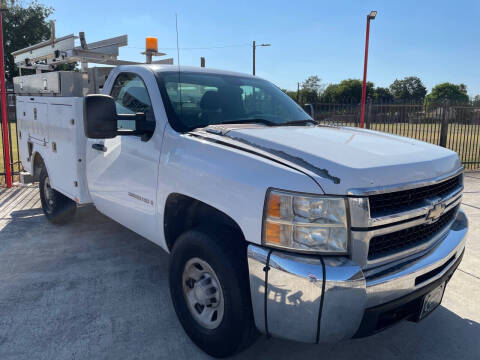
{"type": "Point", "coordinates": [64, 208]}
{"type": "Point", "coordinates": [226, 253]}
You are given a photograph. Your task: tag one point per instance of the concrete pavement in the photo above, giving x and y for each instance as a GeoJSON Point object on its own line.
{"type": "Point", "coordinates": [93, 289]}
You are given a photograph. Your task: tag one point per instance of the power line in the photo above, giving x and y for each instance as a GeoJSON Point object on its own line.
{"type": "Point", "coordinates": [196, 48]}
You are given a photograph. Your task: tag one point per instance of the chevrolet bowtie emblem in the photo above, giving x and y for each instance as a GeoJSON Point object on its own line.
{"type": "Point", "coordinates": [436, 211]}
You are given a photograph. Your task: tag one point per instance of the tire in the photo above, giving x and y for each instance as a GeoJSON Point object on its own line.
{"type": "Point", "coordinates": [58, 208]}
{"type": "Point", "coordinates": [232, 329]}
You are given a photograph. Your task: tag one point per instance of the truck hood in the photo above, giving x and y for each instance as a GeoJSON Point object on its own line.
{"type": "Point", "coordinates": [343, 159]}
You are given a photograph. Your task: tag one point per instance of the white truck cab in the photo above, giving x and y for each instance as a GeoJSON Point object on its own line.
{"type": "Point", "coordinates": [274, 223]}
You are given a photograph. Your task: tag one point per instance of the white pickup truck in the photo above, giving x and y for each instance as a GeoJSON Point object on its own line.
{"type": "Point", "coordinates": [274, 223]}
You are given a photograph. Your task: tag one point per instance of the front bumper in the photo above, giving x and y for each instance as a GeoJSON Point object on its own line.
{"type": "Point", "coordinates": [325, 299]}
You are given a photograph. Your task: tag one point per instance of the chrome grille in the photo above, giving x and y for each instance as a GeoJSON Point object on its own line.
{"type": "Point", "coordinates": [408, 238]}
{"type": "Point", "coordinates": [415, 221]}
{"type": "Point", "coordinates": [392, 202]}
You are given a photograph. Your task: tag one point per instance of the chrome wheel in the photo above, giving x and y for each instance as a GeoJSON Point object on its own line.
{"type": "Point", "coordinates": [203, 293]}
{"type": "Point", "coordinates": [49, 193]}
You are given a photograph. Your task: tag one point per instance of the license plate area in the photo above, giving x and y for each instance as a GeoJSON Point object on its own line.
{"type": "Point", "coordinates": [432, 300]}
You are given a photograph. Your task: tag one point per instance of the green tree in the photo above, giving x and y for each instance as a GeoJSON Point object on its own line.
{"type": "Point", "coordinates": [292, 94]}
{"type": "Point", "coordinates": [450, 92]}
{"type": "Point", "coordinates": [408, 89]}
{"type": "Point", "coordinates": [311, 89]}
{"type": "Point", "coordinates": [330, 93]}
{"type": "Point", "coordinates": [349, 90]}
{"type": "Point", "coordinates": [381, 94]}
{"type": "Point", "coordinates": [476, 100]}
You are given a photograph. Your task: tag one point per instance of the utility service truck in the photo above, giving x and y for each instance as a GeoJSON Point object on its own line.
{"type": "Point", "coordinates": [274, 223]}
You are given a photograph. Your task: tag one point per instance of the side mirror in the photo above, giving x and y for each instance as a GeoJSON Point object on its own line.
{"type": "Point", "coordinates": [100, 117]}
{"type": "Point", "coordinates": [309, 110]}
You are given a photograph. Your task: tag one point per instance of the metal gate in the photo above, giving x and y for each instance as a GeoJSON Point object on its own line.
{"type": "Point", "coordinates": [456, 127]}
{"type": "Point", "coordinates": [13, 142]}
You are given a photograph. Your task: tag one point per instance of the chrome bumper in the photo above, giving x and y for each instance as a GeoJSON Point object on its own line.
{"type": "Point", "coordinates": [323, 299]}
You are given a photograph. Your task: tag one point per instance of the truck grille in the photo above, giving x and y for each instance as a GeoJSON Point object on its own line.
{"type": "Point", "coordinates": [397, 201]}
{"type": "Point", "coordinates": [401, 240]}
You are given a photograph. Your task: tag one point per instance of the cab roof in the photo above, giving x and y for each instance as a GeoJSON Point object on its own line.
{"type": "Point", "coordinates": [195, 69]}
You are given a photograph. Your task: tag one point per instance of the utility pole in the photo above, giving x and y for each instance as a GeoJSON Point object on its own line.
{"type": "Point", "coordinates": [3, 89]}
{"type": "Point", "coordinates": [370, 16]}
{"type": "Point", "coordinates": [298, 91]}
{"type": "Point", "coordinates": [254, 47]}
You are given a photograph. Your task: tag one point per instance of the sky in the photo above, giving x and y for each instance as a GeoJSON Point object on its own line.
{"type": "Point", "coordinates": [438, 41]}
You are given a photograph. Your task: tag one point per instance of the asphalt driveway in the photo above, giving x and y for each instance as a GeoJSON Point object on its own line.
{"type": "Point", "coordinates": [95, 290]}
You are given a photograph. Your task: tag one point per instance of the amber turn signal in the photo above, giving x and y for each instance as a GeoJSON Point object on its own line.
{"type": "Point", "coordinates": [272, 233]}
{"type": "Point", "coordinates": [273, 209]}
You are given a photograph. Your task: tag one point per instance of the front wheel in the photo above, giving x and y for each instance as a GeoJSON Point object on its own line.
{"type": "Point", "coordinates": [210, 291]}
{"type": "Point", "coordinates": [58, 208]}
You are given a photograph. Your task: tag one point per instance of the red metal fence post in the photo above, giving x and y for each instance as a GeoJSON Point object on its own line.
{"type": "Point", "coordinates": [3, 94]}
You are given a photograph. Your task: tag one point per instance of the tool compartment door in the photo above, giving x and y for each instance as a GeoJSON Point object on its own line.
{"type": "Point", "coordinates": [37, 120]}
{"type": "Point", "coordinates": [32, 127]}
{"type": "Point", "coordinates": [22, 133]}
{"type": "Point", "coordinates": [63, 152]}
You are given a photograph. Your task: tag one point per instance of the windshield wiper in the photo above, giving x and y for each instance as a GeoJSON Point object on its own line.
{"type": "Point", "coordinates": [250, 121]}
{"type": "Point", "coordinates": [268, 122]}
{"type": "Point", "coordinates": [300, 122]}
{"type": "Point", "coordinates": [271, 123]}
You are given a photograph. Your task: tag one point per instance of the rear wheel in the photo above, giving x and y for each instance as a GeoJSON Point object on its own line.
{"type": "Point", "coordinates": [58, 208]}
{"type": "Point", "coordinates": [210, 291]}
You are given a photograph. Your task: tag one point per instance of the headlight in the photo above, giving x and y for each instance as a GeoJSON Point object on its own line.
{"type": "Point", "coordinates": [316, 224]}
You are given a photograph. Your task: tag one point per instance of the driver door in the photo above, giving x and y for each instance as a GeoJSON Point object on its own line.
{"type": "Point", "coordinates": [122, 172]}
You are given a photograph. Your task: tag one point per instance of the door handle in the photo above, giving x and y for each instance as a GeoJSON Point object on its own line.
{"type": "Point", "coordinates": [99, 147]}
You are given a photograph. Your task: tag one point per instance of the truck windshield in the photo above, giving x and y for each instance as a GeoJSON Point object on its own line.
{"type": "Point", "coordinates": [194, 100]}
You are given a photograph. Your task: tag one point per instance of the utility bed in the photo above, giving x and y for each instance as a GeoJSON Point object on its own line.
{"type": "Point", "coordinates": [50, 106]}
{"type": "Point", "coordinates": [55, 123]}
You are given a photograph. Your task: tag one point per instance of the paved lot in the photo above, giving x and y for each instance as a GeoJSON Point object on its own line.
{"type": "Point", "coordinates": [95, 290]}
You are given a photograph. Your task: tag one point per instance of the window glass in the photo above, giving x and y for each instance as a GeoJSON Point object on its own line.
{"type": "Point", "coordinates": [201, 99]}
{"type": "Point", "coordinates": [131, 96]}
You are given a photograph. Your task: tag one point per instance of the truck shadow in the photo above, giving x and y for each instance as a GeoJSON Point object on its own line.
{"type": "Point", "coordinates": [26, 213]}
{"type": "Point", "coordinates": [443, 335]}
{"type": "Point", "coordinates": [94, 289]}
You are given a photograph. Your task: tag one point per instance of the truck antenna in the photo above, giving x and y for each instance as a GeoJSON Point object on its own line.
{"type": "Point", "coordinates": [178, 48]}
{"type": "Point", "coordinates": [178, 60]}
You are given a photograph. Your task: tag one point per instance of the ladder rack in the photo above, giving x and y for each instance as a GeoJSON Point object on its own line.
{"type": "Point", "coordinates": [55, 51]}
{"type": "Point", "coordinates": [47, 55]}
